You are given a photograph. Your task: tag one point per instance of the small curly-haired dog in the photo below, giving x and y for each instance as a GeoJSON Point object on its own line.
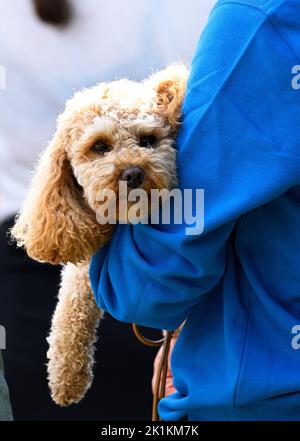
{"type": "Point", "coordinates": [122, 130]}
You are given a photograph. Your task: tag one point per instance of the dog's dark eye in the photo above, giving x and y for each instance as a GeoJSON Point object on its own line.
{"type": "Point", "coordinates": [100, 147]}
{"type": "Point", "coordinates": [148, 141]}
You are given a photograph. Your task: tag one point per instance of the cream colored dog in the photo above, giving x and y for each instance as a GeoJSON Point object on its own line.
{"type": "Point", "coordinates": [115, 131]}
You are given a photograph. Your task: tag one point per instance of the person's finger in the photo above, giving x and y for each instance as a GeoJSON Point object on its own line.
{"type": "Point", "coordinates": [169, 382]}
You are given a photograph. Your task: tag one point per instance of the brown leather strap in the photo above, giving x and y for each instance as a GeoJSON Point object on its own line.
{"type": "Point", "coordinates": [144, 340]}
{"type": "Point", "coordinates": [161, 377]}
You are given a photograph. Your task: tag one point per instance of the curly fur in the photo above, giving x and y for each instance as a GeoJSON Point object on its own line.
{"type": "Point", "coordinates": [57, 223]}
{"type": "Point", "coordinates": [72, 337]}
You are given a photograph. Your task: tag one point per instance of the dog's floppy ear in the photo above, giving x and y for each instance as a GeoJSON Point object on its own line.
{"type": "Point", "coordinates": [170, 86]}
{"type": "Point", "coordinates": [55, 225]}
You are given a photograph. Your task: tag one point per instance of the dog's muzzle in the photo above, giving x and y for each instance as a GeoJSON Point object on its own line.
{"type": "Point", "coordinates": [134, 176]}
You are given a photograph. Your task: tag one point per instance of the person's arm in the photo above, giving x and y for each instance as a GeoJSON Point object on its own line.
{"type": "Point", "coordinates": [239, 142]}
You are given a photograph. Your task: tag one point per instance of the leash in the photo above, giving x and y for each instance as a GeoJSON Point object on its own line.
{"type": "Point", "coordinates": [161, 378]}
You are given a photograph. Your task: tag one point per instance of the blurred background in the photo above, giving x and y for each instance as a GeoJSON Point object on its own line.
{"type": "Point", "coordinates": [49, 49]}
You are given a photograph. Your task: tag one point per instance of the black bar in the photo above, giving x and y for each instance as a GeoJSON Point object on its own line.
{"type": "Point", "coordinates": [145, 430]}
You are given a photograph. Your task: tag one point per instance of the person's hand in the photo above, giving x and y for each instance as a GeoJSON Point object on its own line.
{"type": "Point", "coordinates": [169, 383]}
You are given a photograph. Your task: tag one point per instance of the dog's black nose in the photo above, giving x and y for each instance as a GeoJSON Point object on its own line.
{"type": "Point", "coordinates": [134, 176]}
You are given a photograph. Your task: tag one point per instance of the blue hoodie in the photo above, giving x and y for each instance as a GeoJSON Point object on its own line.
{"type": "Point", "coordinates": [237, 284]}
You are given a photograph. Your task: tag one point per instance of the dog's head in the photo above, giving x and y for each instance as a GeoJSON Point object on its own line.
{"type": "Point", "coordinates": [119, 131]}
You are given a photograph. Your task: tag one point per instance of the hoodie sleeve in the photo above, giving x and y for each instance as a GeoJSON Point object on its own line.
{"type": "Point", "coordinates": [239, 142]}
